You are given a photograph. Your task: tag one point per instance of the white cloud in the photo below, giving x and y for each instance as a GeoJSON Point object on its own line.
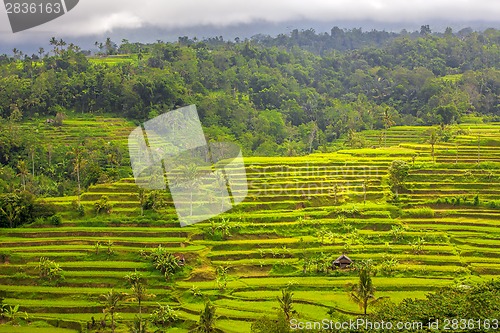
{"type": "Point", "coordinates": [103, 23]}
{"type": "Point", "coordinates": [92, 17]}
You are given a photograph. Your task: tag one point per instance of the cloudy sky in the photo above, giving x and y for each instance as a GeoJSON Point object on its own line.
{"type": "Point", "coordinates": [105, 17]}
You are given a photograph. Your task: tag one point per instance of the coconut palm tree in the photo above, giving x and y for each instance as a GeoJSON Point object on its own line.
{"type": "Point", "coordinates": [191, 181]}
{"type": "Point", "coordinates": [388, 122]}
{"type": "Point", "coordinates": [111, 299]}
{"type": "Point", "coordinates": [363, 293]}
{"type": "Point", "coordinates": [54, 43]}
{"type": "Point", "coordinates": [32, 154]}
{"type": "Point", "coordinates": [221, 182]}
{"type": "Point", "coordinates": [139, 292]}
{"type": "Point", "coordinates": [78, 162]}
{"type": "Point", "coordinates": [286, 303]}
{"type": "Point", "coordinates": [41, 51]}
{"type": "Point", "coordinates": [433, 139]}
{"type": "Point", "coordinates": [23, 172]}
{"type": "Point", "coordinates": [142, 199]}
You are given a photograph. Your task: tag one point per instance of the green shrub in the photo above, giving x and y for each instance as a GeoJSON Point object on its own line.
{"type": "Point", "coordinates": [493, 204]}
{"type": "Point", "coordinates": [103, 206]}
{"type": "Point", "coordinates": [78, 207]}
{"type": "Point", "coordinates": [163, 316]}
{"type": "Point", "coordinates": [55, 220]}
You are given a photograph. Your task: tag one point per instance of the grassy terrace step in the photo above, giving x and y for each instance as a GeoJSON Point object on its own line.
{"type": "Point", "coordinates": [456, 229]}
{"type": "Point", "coordinates": [435, 262]}
{"type": "Point", "coordinates": [437, 249]}
{"type": "Point", "coordinates": [113, 197]}
{"type": "Point", "coordinates": [96, 265]}
{"type": "Point", "coordinates": [293, 242]}
{"type": "Point", "coordinates": [430, 184]}
{"type": "Point", "coordinates": [275, 283]}
{"type": "Point", "coordinates": [166, 242]}
{"type": "Point", "coordinates": [94, 231]}
{"type": "Point", "coordinates": [329, 299]}
{"type": "Point", "coordinates": [81, 248]}
{"type": "Point", "coordinates": [454, 191]}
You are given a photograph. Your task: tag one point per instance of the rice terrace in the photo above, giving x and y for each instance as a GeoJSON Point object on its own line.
{"type": "Point", "coordinates": [442, 229]}
{"type": "Point", "coordinates": [408, 209]}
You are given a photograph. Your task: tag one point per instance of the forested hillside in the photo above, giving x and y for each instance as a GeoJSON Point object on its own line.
{"type": "Point", "coordinates": [286, 95]}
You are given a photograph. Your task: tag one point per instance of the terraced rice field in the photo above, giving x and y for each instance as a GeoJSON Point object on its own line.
{"type": "Point", "coordinates": [301, 212]}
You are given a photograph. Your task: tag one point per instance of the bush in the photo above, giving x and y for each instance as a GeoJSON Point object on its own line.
{"type": "Point", "coordinates": [164, 316]}
{"type": "Point", "coordinates": [55, 220]}
{"type": "Point", "coordinates": [18, 209]}
{"type": "Point", "coordinates": [164, 261]}
{"type": "Point", "coordinates": [493, 204]}
{"type": "Point", "coordinates": [80, 210]}
{"type": "Point", "coordinates": [49, 269]}
{"type": "Point", "coordinates": [103, 206]}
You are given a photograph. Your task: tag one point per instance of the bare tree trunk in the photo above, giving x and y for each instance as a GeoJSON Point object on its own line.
{"type": "Point", "coordinates": [33, 162]}
{"type": "Point", "coordinates": [79, 186]}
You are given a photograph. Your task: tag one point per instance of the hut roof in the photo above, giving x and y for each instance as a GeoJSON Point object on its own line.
{"type": "Point", "coordinates": [342, 259]}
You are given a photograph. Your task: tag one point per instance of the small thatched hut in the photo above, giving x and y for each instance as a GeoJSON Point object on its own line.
{"type": "Point", "coordinates": [342, 262]}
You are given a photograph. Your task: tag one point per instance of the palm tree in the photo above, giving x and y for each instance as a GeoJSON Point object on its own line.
{"type": "Point", "coordinates": [190, 180]}
{"type": "Point", "coordinates": [221, 182]}
{"type": "Point", "coordinates": [32, 153]}
{"type": "Point", "coordinates": [16, 53]}
{"type": "Point", "coordinates": [433, 139]}
{"type": "Point", "coordinates": [111, 300]}
{"type": "Point", "coordinates": [139, 292]}
{"type": "Point", "coordinates": [207, 319]}
{"type": "Point", "coordinates": [62, 44]}
{"type": "Point", "coordinates": [142, 199]}
{"type": "Point", "coordinates": [23, 172]}
{"type": "Point", "coordinates": [286, 303]}
{"type": "Point", "coordinates": [50, 151]}
{"type": "Point", "coordinates": [140, 56]}
{"type": "Point", "coordinates": [78, 162]}
{"type": "Point", "coordinates": [388, 122]}
{"type": "Point", "coordinates": [363, 293]}
{"type": "Point", "coordinates": [54, 43]}
{"type": "Point", "coordinates": [109, 46]}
